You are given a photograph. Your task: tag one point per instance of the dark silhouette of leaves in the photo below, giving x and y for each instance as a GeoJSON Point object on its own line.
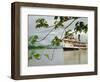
{"type": "Point", "coordinates": [56, 17]}
{"type": "Point", "coordinates": [68, 33]}
{"type": "Point", "coordinates": [80, 27]}
{"type": "Point", "coordinates": [56, 41]}
{"type": "Point", "coordinates": [41, 22]}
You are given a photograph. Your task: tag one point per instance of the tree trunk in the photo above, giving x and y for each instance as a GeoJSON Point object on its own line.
{"type": "Point", "coordinates": [79, 37]}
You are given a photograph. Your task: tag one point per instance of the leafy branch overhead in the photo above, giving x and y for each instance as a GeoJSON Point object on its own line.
{"type": "Point", "coordinates": [58, 23]}
{"type": "Point", "coordinates": [32, 39]}
{"type": "Point", "coordinates": [59, 20]}
{"type": "Point", "coordinates": [56, 41]}
{"type": "Point", "coordinates": [41, 22]}
{"type": "Point", "coordinates": [68, 33]}
{"type": "Point", "coordinates": [81, 27]}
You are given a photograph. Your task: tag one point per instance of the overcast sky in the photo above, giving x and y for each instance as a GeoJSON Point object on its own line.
{"type": "Point", "coordinates": [41, 32]}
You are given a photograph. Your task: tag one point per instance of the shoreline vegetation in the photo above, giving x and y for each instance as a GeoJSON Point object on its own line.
{"type": "Point", "coordinates": [52, 47]}
{"type": "Point", "coordinates": [44, 47]}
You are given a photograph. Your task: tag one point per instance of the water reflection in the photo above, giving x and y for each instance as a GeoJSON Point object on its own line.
{"type": "Point", "coordinates": [75, 57]}
{"type": "Point", "coordinates": [60, 57]}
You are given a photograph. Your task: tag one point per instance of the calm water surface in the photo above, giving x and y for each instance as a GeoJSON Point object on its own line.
{"type": "Point", "coordinates": [59, 57]}
{"type": "Point", "coordinates": [75, 57]}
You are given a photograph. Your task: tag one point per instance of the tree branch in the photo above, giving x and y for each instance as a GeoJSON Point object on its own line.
{"type": "Point", "coordinates": [53, 29]}
{"type": "Point", "coordinates": [47, 34]}
{"type": "Point", "coordinates": [67, 27]}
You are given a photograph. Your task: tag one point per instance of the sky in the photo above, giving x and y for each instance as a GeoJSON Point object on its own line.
{"type": "Point", "coordinates": [41, 32]}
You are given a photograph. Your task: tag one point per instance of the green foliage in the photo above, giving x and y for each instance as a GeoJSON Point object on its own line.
{"type": "Point", "coordinates": [81, 27]}
{"type": "Point", "coordinates": [41, 22]}
{"type": "Point", "coordinates": [30, 55]}
{"type": "Point", "coordinates": [46, 55]}
{"type": "Point", "coordinates": [32, 39]}
{"type": "Point", "coordinates": [64, 18]}
{"type": "Point", "coordinates": [37, 56]}
{"type": "Point", "coordinates": [59, 20]}
{"type": "Point", "coordinates": [58, 24]}
{"type": "Point", "coordinates": [56, 41]}
{"type": "Point", "coordinates": [85, 28]}
{"type": "Point", "coordinates": [36, 46]}
{"type": "Point", "coordinates": [74, 17]}
{"type": "Point", "coordinates": [56, 17]}
{"type": "Point", "coordinates": [68, 33]}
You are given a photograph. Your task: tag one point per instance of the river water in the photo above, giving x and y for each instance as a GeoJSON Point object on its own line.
{"type": "Point", "coordinates": [75, 57]}
{"type": "Point", "coordinates": [59, 57]}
